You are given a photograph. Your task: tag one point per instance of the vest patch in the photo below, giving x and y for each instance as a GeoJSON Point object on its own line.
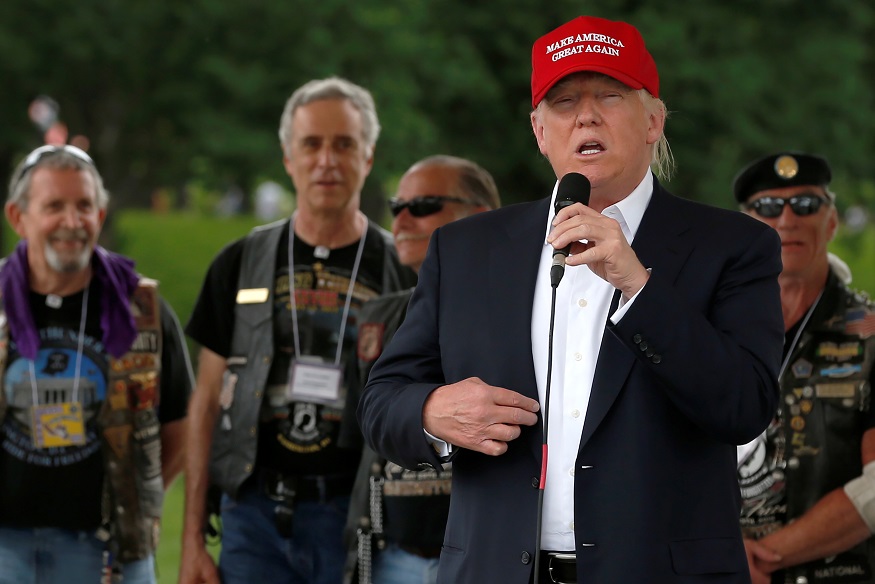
{"type": "Point", "coordinates": [370, 344]}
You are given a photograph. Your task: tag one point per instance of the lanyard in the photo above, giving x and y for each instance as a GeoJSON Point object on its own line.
{"type": "Point", "coordinates": [82, 319]}
{"type": "Point", "coordinates": [804, 322]}
{"type": "Point", "coordinates": [352, 279]}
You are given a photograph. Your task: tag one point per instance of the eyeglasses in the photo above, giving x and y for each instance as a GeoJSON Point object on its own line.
{"type": "Point", "coordinates": [34, 157]}
{"type": "Point", "coordinates": [423, 206]}
{"type": "Point", "coordinates": [801, 205]}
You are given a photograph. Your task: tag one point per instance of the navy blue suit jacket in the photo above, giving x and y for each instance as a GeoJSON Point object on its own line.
{"type": "Point", "coordinates": [689, 372]}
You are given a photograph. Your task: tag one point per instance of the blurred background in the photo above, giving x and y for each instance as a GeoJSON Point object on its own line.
{"type": "Point", "coordinates": [179, 103]}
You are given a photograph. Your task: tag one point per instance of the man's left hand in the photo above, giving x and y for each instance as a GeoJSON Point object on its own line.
{"type": "Point", "coordinates": [606, 251]}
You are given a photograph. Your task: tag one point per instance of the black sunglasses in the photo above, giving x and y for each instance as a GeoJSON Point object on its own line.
{"type": "Point", "coordinates": [34, 157]}
{"type": "Point", "coordinates": [423, 206]}
{"type": "Point", "coordinates": [801, 205]}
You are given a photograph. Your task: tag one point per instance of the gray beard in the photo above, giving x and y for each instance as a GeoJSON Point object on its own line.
{"type": "Point", "coordinates": [69, 266]}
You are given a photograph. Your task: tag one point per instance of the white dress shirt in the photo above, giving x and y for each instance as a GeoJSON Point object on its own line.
{"type": "Point", "coordinates": [582, 303]}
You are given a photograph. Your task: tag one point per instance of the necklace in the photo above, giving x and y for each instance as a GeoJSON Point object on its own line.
{"type": "Point", "coordinates": [798, 334]}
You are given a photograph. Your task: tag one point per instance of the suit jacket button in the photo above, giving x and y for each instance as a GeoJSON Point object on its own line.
{"type": "Point", "coordinates": [636, 339]}
{"type": "Point", "coordinates": [525, 558]}
{"type": "Point", "coordinates": [656, 358]}
{"type": "Point", "coordinates": [643, 346]}
{"type": "Point", "coordinates": [535, 482]}
{"type": "Point", "coordinates": [649, 352]}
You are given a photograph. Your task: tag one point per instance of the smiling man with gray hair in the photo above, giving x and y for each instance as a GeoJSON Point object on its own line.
{"type": "Point", "coordinates": [95, 380]}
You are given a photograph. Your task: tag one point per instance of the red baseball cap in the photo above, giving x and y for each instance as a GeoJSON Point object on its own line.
{"type": "Point", "coordinates": [588, 43]}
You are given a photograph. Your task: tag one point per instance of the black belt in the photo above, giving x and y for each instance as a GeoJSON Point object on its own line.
{"type": "Point", "coordinates": [429, 552]}
{"type": "Point", "coordinates": [282, 487]}
{"type": "Point", "coordinates": [558, 567]}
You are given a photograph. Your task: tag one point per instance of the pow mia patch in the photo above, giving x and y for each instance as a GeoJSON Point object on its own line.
{"type": "Point", "coordinates": [370, 343]}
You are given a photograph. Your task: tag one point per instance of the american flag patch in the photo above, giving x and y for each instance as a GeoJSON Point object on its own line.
{"type": "Point", "coordinates": [860, 322]}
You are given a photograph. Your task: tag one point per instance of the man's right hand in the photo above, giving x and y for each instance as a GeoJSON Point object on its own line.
{"type": "Point", "coordinates": [196, 565]}
{"type": "Point", "coordinates": [758, 556]}
{"type": "Point", "coordinates": [474, 415]}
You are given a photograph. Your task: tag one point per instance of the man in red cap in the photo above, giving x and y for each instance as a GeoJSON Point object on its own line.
{"type": "Point", "coordinates": [662, 356]}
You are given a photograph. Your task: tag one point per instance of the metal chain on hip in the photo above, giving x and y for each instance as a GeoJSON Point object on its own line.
{"type": "Point", "coordinates": [366, 537]}
{"type": "Point", "coordinates": [365, 556]}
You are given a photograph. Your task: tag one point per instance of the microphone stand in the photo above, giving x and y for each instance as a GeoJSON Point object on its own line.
{"type": "Point", "coordinates": [546, 415]}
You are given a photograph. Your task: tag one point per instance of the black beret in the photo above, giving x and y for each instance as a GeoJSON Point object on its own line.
{"type": "Point", "coordinates": [784, 169]}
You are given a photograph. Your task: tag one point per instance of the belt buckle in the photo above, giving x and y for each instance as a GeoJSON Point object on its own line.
{"type": "Point", "coordinates": [280, 488]}
{"type": "Point", "coordinates": [558, 556]}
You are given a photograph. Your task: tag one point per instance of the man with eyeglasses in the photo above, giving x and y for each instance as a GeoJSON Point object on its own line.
{"type": "Point", "coordinates": [276, 320]}
{"type": "Point", "coordinates": [808, 483]}
{"type": "Point", "coordinates": [95, 376]}
{"type": "Point", "coordinates": [397, 517]}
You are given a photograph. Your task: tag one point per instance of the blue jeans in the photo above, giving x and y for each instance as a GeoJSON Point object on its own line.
{"type": "Point", "coordinates": [395, 566]}
{"type": "Point", "coordinates": [60, 556]}
{"type": "Point", "coordinates": [254, 551]}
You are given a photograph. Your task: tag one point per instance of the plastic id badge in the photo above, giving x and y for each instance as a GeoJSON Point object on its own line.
{"type": "Point", "coordinates": [315, 382]}
{"type": "Point", "coordinates": [57, 425]}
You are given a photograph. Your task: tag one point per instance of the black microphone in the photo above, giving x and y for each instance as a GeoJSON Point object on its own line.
{"type": "Point", "coordinates": [573, 188]}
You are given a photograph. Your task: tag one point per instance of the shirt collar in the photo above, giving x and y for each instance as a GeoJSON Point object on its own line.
{"type": "Point", "coordinates": [628, 212]}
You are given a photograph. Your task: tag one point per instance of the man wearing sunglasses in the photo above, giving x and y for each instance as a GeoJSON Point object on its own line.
{"type": "Point", "coordinates": [808, 483]}
{"type": "Point", "coordinates": [276, 320]}
{"type": "Point", "coordinates": [96, 378]}
{"type": "Point", "coordinates": [397, 517]}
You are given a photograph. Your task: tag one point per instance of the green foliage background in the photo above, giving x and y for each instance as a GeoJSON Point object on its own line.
{"type": "Point", "coordinates": [175, 93]}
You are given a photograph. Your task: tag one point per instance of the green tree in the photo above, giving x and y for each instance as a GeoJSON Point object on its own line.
{"type": "Point", "coordinates": [171, 93]}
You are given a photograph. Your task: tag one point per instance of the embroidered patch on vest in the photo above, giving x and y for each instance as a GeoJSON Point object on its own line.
{"type": "Point", "coordinates": [119, 439]}
{"type": "Point", "coordinates": [370, 343]}
{"type": "Point", "coordinates": [836, 390]}
{"type": "Point", "coordinates": [143, 390]}
{"type": "Point", "coordinates": [802, 368]}
{"type": "Point", "coordinates": [860, 322]}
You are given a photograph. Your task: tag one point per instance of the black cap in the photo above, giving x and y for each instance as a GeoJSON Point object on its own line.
{"type": "Point", "coordinates": [784, 169]}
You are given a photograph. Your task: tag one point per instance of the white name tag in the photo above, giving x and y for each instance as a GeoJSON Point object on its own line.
{"type": "Point", "coordinates": [314, 382]}
{"type": "Point", "coordinates": [252, 295]}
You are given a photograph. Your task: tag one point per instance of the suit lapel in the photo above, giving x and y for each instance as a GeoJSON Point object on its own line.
{"type": "Point", "coordinates": [512, 285]}
{"type": "Point", "coordinates": [660, 244]}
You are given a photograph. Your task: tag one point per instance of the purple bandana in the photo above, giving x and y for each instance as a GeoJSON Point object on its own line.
{"type": "Point", "coordinates": [114, 272]}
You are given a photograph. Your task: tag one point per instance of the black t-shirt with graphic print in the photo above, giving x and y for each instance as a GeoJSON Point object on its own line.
{"type": "Point", "coordinates": [62, 486]}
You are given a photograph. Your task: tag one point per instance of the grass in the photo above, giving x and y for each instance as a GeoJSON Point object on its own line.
{"type": "Point", "coordinates": [175, 249]}
{"type": "Point", "coordinates": [170, 544]}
